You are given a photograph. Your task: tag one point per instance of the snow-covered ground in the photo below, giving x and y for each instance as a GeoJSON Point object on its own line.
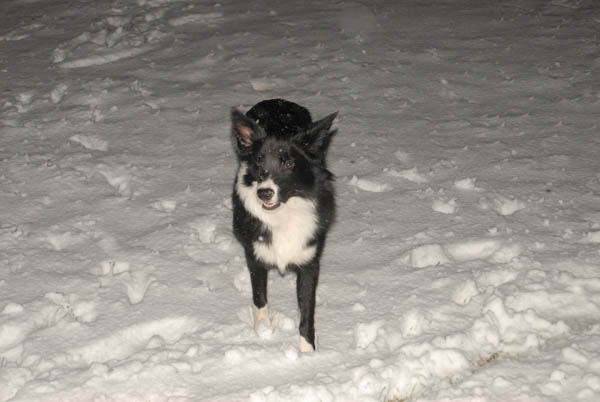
{"type": "Point", "coordinates": [465, 263]}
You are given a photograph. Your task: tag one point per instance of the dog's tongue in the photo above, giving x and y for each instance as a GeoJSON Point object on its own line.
{"type": "Point", "coordinates": [271, 205]}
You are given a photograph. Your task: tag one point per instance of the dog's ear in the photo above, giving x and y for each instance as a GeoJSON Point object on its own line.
{"type": "Point", "coordinates": [244, 132]}
{"type": "Point", "coordinates": [316, 139]}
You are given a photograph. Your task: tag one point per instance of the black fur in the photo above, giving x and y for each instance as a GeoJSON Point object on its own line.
{"type": "Point", "coordinates": [278, 140]}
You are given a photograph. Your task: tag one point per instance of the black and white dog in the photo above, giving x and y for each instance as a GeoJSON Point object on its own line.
{"type": "Point", "coordinates": [283, 200]}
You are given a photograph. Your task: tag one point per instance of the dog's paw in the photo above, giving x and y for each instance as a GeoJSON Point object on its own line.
{"type": "Point", "coordinates": [261, 315]}
{"type": "Point", "coordinates": [305, 346]}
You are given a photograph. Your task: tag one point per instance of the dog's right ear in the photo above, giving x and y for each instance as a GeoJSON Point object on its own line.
{"type": "Point", "coordinates": [316, 139]}
{"type": "Point", "coordinates": [244, 132]}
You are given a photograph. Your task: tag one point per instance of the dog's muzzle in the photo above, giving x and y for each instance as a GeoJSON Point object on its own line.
{"type": "Point", "coordinates": [266, 196]}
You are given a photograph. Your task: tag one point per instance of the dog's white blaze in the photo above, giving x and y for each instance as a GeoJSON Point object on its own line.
{"type": "Point", "coordinates": [269, 183]}
{"type": "Point", "coordinates": [291, 225]}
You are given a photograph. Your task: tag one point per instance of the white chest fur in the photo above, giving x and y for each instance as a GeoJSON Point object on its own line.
{"type": "Point", "coordinates": [292, 225]}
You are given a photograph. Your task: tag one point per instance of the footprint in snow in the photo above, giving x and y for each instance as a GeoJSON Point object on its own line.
{"type": "Point", "coordinates": [119, 178]}
{"type": "Point", "coordinates": [61, 241]}
{"type": "Point", "coordinates": [414, 323]}
{"type": "Point", "coordinates": [18, 321]}
{"type": "Point", "coordinates": [117, 37]}
{"type": "Point", "coordinates": [241, 282]}
{"type": "Point", "coordinates": [111, 267]}
{"type": "Point", "coordinates": [128, 341]}
{"type": "Point", "coordinates": [136, 284]}
{"type": "Point", "coordinates": [80, 309]}
{"type": "Point", "coordinates": [21, 33]}
{"type": "Point", "coordinates": [205, 228]}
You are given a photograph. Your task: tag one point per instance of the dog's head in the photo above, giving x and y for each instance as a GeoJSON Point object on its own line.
{"type": "Point", "coordinates": [284, 164]}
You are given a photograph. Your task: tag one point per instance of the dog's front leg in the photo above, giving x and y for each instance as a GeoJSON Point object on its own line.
{"type": "Point", "coordinates": [306, 289]}
{"type": "Point", "coordinates": [258, 279]}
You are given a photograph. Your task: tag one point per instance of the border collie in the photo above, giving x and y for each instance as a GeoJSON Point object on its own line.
{"type": "Point", "coordinates": [283, 200]}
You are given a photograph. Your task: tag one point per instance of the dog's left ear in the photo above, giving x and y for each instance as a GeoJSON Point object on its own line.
{"type": "Point", "coordinates": [316, 139]}
{"type": "Point", "coordinates": [244, 132]}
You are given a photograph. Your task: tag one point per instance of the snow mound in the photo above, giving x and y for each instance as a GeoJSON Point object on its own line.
{"type": "Point", "coordinates": [266, 84]}
{"type": "Point", "coordinates": [58, 93]}
{"type": "Point", "coordinates": [466, 184]}
{"type": "Point", "coordinates": [425, 256]}
{"type": "Point", "coordinates": [473, 250]}
{"type": "Point", "coordinates": [165, 205]}
{"type": "Point", "coordinates": [465, 292]}
{"type": "Point", "coordinates": [469, 250]}
{"type": "Point", "coordinates": [507, 206]}
{"type": "Point", "coordinates": [104, 58]}
{"type": "Point", "coordinates": [90, 142]}
{"type": "Point", "coordinates": [445, 206]}
{"type": "Point", "coordinates": [369, 185]}
{"type": "Point", "coordinates": [365, 333]}
{"type": "Point", "coordinates": [412, 175]}
{"type": "Point", "coordinates": [199, 18]}
{"type": "Point", "coordinates": [591, 238]}
{"type": "Point", "coordinates": [498, 331]}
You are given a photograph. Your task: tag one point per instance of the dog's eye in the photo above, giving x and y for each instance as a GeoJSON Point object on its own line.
{"type": "Point", "coordinates": [289, 164]}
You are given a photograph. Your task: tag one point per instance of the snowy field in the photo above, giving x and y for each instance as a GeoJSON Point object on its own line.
{"type": "Point", "coordinates": [465, 262]}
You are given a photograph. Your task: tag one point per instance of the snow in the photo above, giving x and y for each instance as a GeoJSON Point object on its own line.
{"type": "Point", "coordinates": [445, 206]}
{"type": "Point", "coordinates": [464, 264]}
{"type": "Point", "coordinates": [368, 185]}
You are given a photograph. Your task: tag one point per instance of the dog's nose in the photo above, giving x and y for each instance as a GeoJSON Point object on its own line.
{"type": "Point", "coordinates": [265, 194]}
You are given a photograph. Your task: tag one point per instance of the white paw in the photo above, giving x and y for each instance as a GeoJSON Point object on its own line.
{"type": "Point", "coordinates": [305, 347]}
{"type": "Point", "coordinates": [261, 315]}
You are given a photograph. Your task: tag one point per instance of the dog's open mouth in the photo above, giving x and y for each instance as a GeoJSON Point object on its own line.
{"type": "Point", "coordinates": [271, 205]}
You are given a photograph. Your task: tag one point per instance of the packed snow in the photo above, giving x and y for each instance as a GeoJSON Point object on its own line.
{"type": "Point", "coordinates": [465, 261]}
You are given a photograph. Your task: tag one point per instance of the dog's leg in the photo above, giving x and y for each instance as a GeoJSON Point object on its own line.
{"type": "Point", "coordinates": [306, 289]}
{"type": "Point", "coordinates": [258, 278]}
